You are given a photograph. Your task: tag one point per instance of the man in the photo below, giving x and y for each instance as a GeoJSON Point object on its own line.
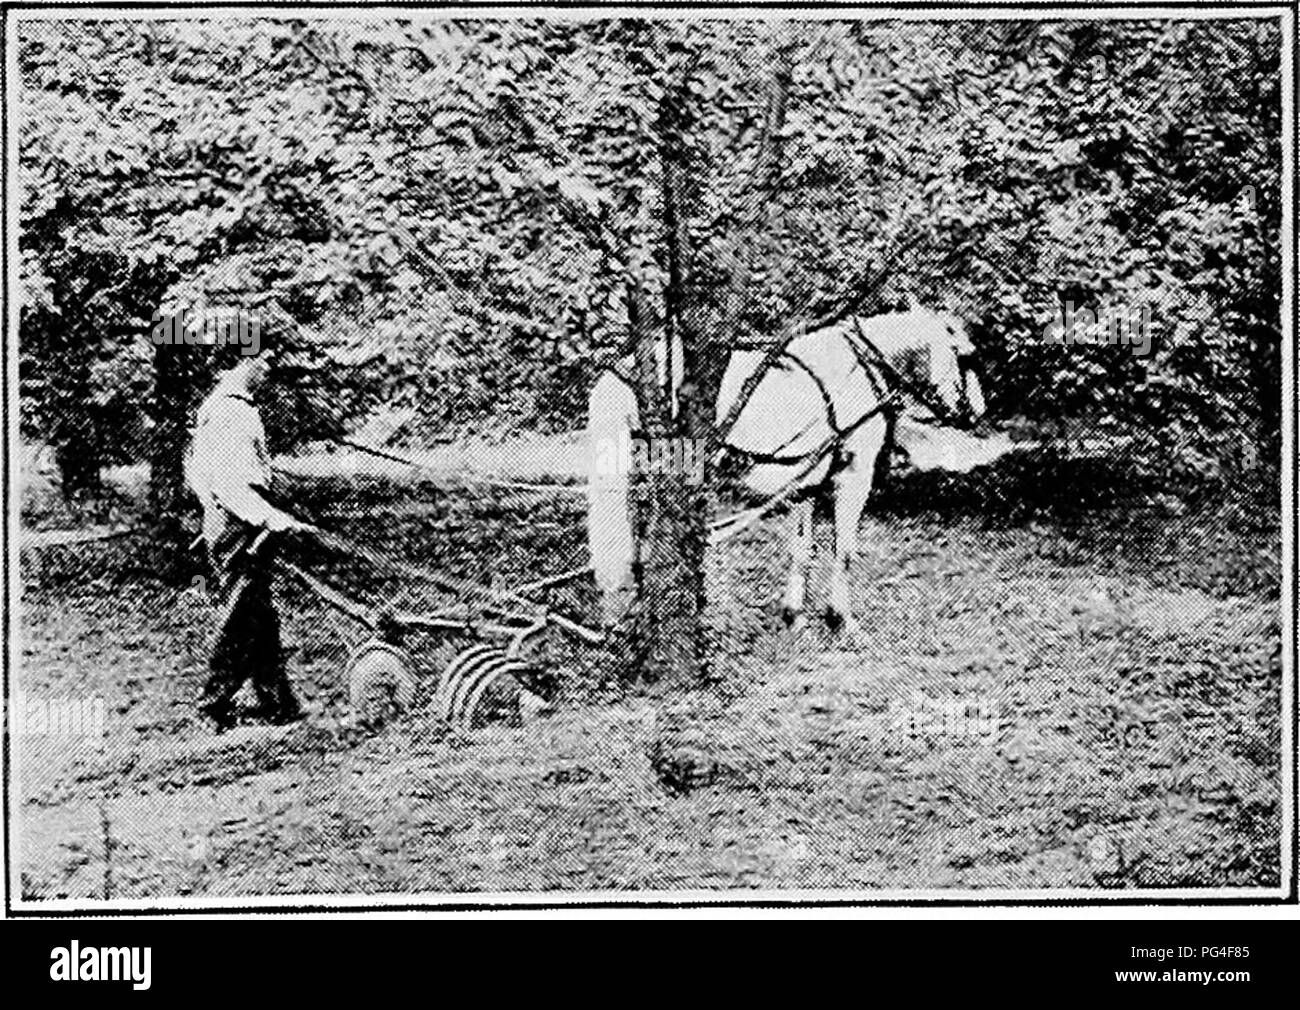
{"type": "Point", "coordinates": [228, 469]}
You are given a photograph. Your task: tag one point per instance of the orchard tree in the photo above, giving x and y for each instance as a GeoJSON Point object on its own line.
{"type": "Point", "coordinates": [464, 221]}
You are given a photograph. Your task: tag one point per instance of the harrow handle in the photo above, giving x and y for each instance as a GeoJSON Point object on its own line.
{"type": "Point", "coordinates": [589, 635]}
{"type": "Point", "coordinates": [465, 587]}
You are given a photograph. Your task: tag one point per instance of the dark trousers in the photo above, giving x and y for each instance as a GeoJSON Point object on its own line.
{"type": "Point", "coordinates": [247, 645]}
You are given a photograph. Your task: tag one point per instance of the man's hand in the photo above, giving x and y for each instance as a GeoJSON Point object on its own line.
{"type": "Point", "coordinates": [302, 527]}
{"type": "Point", "coordinates": [282, 522]}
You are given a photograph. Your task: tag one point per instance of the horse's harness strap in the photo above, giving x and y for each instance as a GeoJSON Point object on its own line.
{"type": "Point", "coordinates": [886, 404]}
{"type": "Point", "coordinates": [893, 377]}
{"type": "Point", "coordinates": [886, 401]}
{"type": "Point", "coordinates": [875, 375]}
{"type": "Point", "coordinates": [879, 376]}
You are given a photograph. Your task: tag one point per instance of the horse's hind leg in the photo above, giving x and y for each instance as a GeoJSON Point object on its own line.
{"type": "Point", "coordinates": [853, 486]}
{"type": "Point", "coordinates": [800, 536]}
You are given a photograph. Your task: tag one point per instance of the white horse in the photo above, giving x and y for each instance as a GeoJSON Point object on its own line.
{"type": "Point", "coordinates": [818, 411]}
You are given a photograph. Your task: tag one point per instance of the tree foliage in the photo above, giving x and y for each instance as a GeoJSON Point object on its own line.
{"type": "Point", "coordinates": [458, 214]}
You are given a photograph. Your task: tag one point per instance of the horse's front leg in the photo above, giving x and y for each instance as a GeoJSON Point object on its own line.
{"type": "Point", "coordinates": [853, 486]}
{"type": "Point", "coordinates": [800, 538]}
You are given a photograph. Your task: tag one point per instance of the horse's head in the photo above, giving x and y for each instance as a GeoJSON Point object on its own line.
{"type": "Point", "coordinates": [935, 361]}
{"type": "Point", "coordinates": [954, 369]}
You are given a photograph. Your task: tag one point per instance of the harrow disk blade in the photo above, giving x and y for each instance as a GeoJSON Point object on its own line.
{"type": "Point", "coordinates": [470, 675]}
{"type": "Point", "coordinates": [381, 681]}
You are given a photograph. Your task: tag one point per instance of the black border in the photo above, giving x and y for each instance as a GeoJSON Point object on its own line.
{"type": "Point", "coordinates": [724, 899]}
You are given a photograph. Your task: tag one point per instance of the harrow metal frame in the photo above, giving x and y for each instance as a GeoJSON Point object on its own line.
{"type": "Point", "coordinates": [486, 616]}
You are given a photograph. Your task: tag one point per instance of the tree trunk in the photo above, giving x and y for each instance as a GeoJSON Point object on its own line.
{"type": "Point", "coordinates": [172, 398]}
{"type": "Point", "coordinates": [77, 456]}
{"type": "Point", "coordinates": [672, 529]}
{"type": "Point", "coordinates": [672, 505]}
{"type": "Point", "coordinates": [673, 510]}
{"type": "Point", "coordinates": [76, 442]}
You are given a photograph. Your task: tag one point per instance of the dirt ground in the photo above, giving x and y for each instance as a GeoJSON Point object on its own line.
{"type": "Point", "coordinates": [1061, 680]}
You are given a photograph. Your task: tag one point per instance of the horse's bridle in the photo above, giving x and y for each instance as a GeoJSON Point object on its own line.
{"type": "Point", "coordinates": [919, 392]}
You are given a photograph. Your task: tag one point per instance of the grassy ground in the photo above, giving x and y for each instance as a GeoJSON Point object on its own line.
{"type": "Point", "coordinates": [1065, 679]}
